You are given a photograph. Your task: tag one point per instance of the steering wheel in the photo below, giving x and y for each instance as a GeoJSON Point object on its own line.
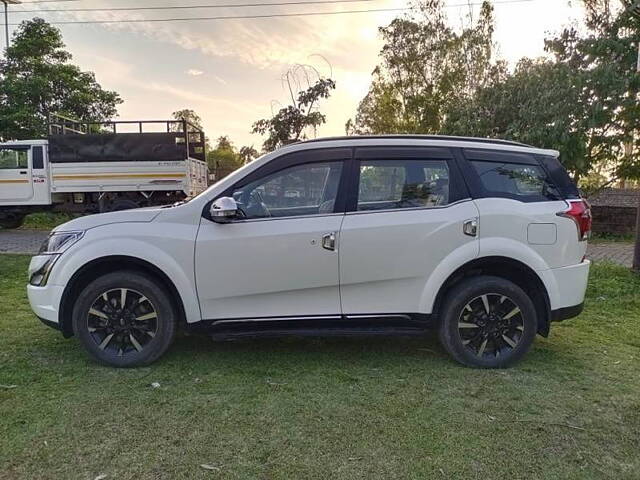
{"type": "Point", "coordinates": [256, 206]}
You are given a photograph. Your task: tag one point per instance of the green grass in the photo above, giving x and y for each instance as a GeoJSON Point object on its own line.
{"type": "Point", "coordinates": [332, 408]}
{"type": "Point", "coordinates": [46, 220]}
{"type": "Point", "coordinates": [611, 237]}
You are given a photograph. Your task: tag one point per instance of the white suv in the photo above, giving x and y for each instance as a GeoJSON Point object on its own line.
{"type": "Point", "coordinates": [483, 240]}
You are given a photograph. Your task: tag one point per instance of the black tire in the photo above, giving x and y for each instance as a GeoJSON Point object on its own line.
{"type": "Point", "coordinates": [13, 221]}
{"type": "Point", "coordinates": [479, 339]}
{"type": "Point", "coordinates": [140, 333]}
{"type": "Point", "coordinates": [122, 204]}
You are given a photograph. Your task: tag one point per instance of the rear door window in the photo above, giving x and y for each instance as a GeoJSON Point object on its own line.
{"type": "Point", "coordinates": [402, 183]}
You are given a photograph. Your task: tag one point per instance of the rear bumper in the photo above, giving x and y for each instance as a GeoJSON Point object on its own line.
{"type": "Point", "coordinates": [566, 287]}
{"type": "Point", "coordinates": [566, 312]}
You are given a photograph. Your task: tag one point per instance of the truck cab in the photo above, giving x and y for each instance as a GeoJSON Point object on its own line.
{"type": "Point", "coordinates": [24, 179]}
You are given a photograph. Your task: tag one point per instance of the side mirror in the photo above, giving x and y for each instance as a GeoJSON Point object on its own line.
{"type": "Point", "coordinates": [223, 210]}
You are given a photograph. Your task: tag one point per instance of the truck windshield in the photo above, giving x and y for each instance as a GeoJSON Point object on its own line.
{"type": "Point", "coordinates": [13, 158]}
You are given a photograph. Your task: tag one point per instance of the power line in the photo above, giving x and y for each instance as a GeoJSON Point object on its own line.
{"type": "Point", "coordinates": [241, 17]}
{"type": "Point", "coordinates": [188, 7]}
{"type": "Point", "coordinates": [229, 17]}
{"type": "Point", "coordinates": [49, 1]}
{"type": "Point", "coordinates": [227, 5]}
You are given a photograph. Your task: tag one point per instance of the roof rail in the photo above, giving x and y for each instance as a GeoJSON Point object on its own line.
{"type": "Point", "coordinates": [423, 137]}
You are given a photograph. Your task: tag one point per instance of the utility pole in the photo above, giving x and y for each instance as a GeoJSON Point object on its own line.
{"type": "Point", "coordinates": [6, 18]}
{"type": "Point", "coordinates": [635, 9]}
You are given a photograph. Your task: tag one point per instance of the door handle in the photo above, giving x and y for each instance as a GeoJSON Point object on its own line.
{"type": "Point", "coordinates": [329, 241]}
{"type": "Point", "coordinates": [470, 227]}
{"type": "Point", "coordinates": [23, 172]}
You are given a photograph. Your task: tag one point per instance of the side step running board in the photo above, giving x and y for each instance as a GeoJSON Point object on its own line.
{"type": "Point", "coordinates": [318, 332]}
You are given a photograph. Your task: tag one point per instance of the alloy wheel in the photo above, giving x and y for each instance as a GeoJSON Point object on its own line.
{"type": "Point", "coordinates": [491, 325]}
{"type": "Point", "coordinates": [122, 321]}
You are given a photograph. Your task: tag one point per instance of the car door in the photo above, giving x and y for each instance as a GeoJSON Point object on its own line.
{"type": "Point", "coordinates": [404, 218]}
{"type": "Point", "coordinates": [281, 259]}
{"type": "Point", "coordinates": [16, 186]}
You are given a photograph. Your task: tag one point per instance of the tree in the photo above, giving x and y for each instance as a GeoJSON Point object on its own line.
{"type": "Point", "coordinates": [537, 104]}
{"type": "Point", "coordinates": [582, 102]}
{"type": "Point", "coordinates": [189, 115]}
{"type": "Point", "coordinates": [425, 66]}
{"type": "Point", "coordinates": [224, 158]}
{"type": "Point", "coordinates": [37, 79]}
{"type": "Point", "coordinates": [290, 123]}
{"type": "Point", "coordinates": [248, 154]}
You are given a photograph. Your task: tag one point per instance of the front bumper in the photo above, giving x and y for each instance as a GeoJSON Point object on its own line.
{"type": "Point", "coordinates": [45, 302]}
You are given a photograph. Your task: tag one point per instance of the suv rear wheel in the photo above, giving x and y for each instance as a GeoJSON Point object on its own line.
{"type": "Point", "coordinates": [487, 322]}
{"type": "Point", "coordinates": [124, 319]}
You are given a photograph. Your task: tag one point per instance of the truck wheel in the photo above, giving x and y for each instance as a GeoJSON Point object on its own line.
{"type": "Point", "coordinates": [13, 221]}
{"type": "Point", "coordinates": [124, 319]}
{"type": "Point", "coordinates": [487, 322]}
{"type": "Point", "coordinates": [122, 204]}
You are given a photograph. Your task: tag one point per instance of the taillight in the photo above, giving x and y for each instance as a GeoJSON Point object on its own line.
{"type": "Point", "coordinates": [580, 212]}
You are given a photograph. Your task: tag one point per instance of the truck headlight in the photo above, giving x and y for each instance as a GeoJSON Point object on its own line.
{"type": "Point", "coordinates": [58, 242]}
{"type": "Point", "coordinates": [51, 249]}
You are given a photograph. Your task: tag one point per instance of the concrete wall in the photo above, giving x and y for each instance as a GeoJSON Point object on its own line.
{"type": "Point", "coordinates": [614, 220]}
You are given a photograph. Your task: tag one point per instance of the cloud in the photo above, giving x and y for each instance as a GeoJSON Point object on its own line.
{"type": "Point", "coordinates": [194, 72]}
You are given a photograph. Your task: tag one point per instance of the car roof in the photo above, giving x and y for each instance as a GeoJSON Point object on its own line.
{"type": "Point", "coordinates": [431, 140]}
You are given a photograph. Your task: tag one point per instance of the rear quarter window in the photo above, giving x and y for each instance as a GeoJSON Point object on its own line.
{"type": "Point", "coordinates": [560, 177]}
{"type": "Point", "coordinates": [516, 176]}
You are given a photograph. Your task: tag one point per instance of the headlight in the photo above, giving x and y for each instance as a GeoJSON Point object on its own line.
{"type": "Point", "coordinates": [55, 244]}
{"type": "Point", "coordinates": [41, 275]}
{"type": "Point", "coordinates": [58, 242]}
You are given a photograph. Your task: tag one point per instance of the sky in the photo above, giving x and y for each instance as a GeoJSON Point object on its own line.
{"type": "Point", "coordinates": [229, 71]}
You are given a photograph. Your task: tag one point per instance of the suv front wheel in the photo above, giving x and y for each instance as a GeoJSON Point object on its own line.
{"type": "Point", "coordinates": [487, 322]}
{"type": "Point", "coordinates": [124, 319]}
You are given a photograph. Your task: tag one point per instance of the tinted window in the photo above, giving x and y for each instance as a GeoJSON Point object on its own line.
{"type": "Point", "coordinates": [11, 158]}
{"type": "Point", "coordinates": [308, 189]}
{"type": "Point", "coordinates": [36, 153]}
{"type": "Point", "coordinates": [391, 184]}
{"type": "Point", "coordinates": [560, 177]}
{"type": "Point", "coordinates": [514, 180]}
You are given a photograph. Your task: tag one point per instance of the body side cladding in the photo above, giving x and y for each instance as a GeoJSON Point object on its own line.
{"type": "Point", "coordinates": [566, 313]}
{"type": "Point", "coordinates": [55, 326]}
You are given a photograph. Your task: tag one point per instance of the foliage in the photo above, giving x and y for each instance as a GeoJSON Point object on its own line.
{"type": "Point", "coordinates": [248, 154]}
{"type": "Point", "coordinates": [46, 220]}
{"type": "Point", "coordinates": [537, 104]}
{"type": "Point", "coordinates": [289, 124]}
{"type": "Point", "coordinates": [374, 408]}
{"type": "Point", "coordinates": [224, 158]}
{"type": "Point", "coordinates": [189, 115]}
{"type": "Point", "coordinates": [425, 66]}
{"type": "Point", "coordinates": [37, 79]}
{"type": "Point", "coordinates": [582, 102]}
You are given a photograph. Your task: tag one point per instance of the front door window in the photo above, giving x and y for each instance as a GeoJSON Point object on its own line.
{"type": "Point", "coordinates": [308, 189]}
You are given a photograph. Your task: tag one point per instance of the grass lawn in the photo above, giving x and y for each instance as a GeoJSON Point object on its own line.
{"type": "Point", "coordinates": [330, 408]}
{"type": "Point", "coordinates": [46, 220]}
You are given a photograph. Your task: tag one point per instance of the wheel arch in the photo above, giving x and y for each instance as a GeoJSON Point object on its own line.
{"type": "Point", "coordinates": [107, 264]}
{"type": "Point", "coordinates": [513, 270]}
